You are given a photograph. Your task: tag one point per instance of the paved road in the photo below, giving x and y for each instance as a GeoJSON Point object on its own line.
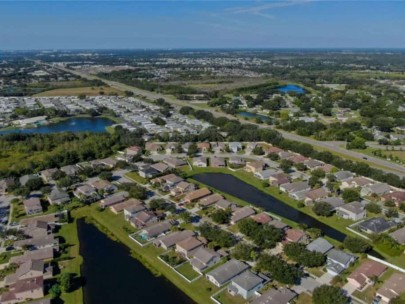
{"type": "Point", "coordinates": [330, 146]}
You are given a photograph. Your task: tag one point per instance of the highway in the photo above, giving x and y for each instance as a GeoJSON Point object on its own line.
{"type": "Point", "coordinates": [333, 147]}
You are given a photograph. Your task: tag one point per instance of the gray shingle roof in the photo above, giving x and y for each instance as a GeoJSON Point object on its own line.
{"type": "Point", "coordinates": [227, 271]}
{"type": "Point", "coordinates": [320, 245]}
{"type": "Point", "coordinates": [247, 280]}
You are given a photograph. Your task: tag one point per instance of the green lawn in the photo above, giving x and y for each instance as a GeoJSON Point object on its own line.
{"type": "Point", "coordinates": [226, 298]}
{"type": "Point", "coordinates": [5, 256]}
{"type": "Point", "coordinates": [135, 177]}
{"type": "Point", "coordinates": [187, 270]}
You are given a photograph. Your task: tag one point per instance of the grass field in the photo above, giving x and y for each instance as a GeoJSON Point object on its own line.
{"type": "Point", "coordinates": [136, 177]}
{"type": "Point", "coordinates": [88, 91]}
{"type": "Point", "coordinates": [187, 270]}
{"type": "Point", "coordinates": [226, 298]}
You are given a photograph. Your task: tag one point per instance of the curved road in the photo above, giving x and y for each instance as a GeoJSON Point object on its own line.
{"type": "Point", "coordinates": [324, 145]}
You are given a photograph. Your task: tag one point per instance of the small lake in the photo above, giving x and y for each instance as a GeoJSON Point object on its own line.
{"type": "Point", "coordinates": [77, 124]}
{"type": "Point", "coordinates": [251, 115]}
{"type": "Point", "coordinates": [229, 184]}
{"type": "Point", "coordinates": [114, 277]}
{"type": "Point", "coordinates": [291, 88]}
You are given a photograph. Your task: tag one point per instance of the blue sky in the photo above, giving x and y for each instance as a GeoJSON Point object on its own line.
{"type": "Point", "coordinates": [201, 24]}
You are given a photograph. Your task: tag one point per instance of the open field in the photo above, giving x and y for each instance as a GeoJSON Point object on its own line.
{"type": "Point", "coordinates": [88, 91]}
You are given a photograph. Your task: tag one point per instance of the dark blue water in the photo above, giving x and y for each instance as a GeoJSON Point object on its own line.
{"type": "Point", "coordinates": [78, 124]}
{"type": "Point", "coordinates": [229, 184]}
{"type": "Point", "coordinates": [253, 115]}
{"type": "Point", "coordinates": [112, 276]}
{"type": "Point", "coordinates": [292, 88]}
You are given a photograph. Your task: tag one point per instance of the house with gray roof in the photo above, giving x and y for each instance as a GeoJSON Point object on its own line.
{"type": "Point", "coordinates": [24, 179]}
{"type": "Point", "coordinates": [203, 258]}
{"type": "Point", "coordinates": [265, 174]}
{"type": "Point", "coordinates": [399, 235]}
{"type": "Point", "coordinates": [241, 213]}
{"type": "Point", "coordinates": [276, 296]}
{"type": "Point", "coordinates": [155, 230]}
{"type": "Point", "coordinates": [170, 240]}
{"type": "Point", "coordinates": [58, 197]}
{"type": "Point", "coordinates": [334, 201]}
{"type": "Point", "coordinates": [337, 261]}
{"type": "Point", "coordinates": [226, 272]}
{"type": "Point", "coordinates": [378, 189]}
{"type": "Point", "coordinates": [296, 190]}
{"type": "Point", "coordinates": [320, 245]}
{"type": "Point", "coordinates": [376, 225]}
{"type": "Point", "coordinates": [343, 175]}
{"type": "Point", "coordinates": [235, 146]}
{"type": "Point", "coordinates": [246, 284]}
{"type": "Point", "coordinates": [353, 211]}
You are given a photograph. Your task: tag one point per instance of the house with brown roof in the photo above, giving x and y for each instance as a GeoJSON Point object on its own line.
{"type": "Point", "coordinates": [210, 200]}
{"type": "Point", "coordinates": [295, 236]}
{"type": "Point", "coordinates": [217, 162]}
{"type": "Point", "coordinates": [278, 179]}
{"type": "Point", "coordinates": [133, 151]}
{"type": "Point", "coordinates": [143, 218]}
{"type": "Point", "coordinates": [315, 195]}
{"type": "Point", "coordinates": [204, 147]}
{"type": "Point", "coordinates": [298, 159]}
{"type": "Point", "coordinates": [196, 195]}
{"type": "Point", "coordinates": [327, 168]}
{"type": "Point", "coordinates": [273, 150]}
{"type": "Point", "coordinates": [37, 229]}
{"type": "Point", "coordinates": [397, 197]}
{"type": "Point", "coordinates": [32, 206]}
{"type": "Point", "coordinates": [188, 246]}
{"type": "Point", "coordinates": [254, 166]}
{"type": "Point", "coordinates": [45, 254]}
{"type": "Point", "coordinates": [170, 240]}
{"type": "Point", "coordinates": [113, 199]}
{"type": "Point", "coordinates": [153, 147]}
{"type": "Point", "coordinates": [86, 193]}
{"type": "Point", "coordinates": [241, 213]}
{"type": "Point", "coordinates": [262, 218]}
{"type": "Point", "coordinates": [155, 230]}
{"type": "Point", "coordinates": [365, 273]}
{"type": "Point", "coordinates": [160, 167]}
{"type": "Point", "coordinates": [182, 187]}
{"type": "Point", "coordinates": [23, 290]}
{"type": "Point", "coordinates": [392, 288]}
{"type": "Point", "coordinates": [103, 185]}
{"type": "Point", "coordinates": [27, 270]}
{"type": "Point", "coordinates": [117, 208]}
{"type": "Point", "coordinates": [355, 182]}
{"type": "Point", "coordinates": [174, 162]}
{"type": "Point", "coordinates": [46, 174]}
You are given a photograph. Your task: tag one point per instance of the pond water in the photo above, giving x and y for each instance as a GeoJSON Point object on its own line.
{"type": "Point", "coordinates": [114, 277]}
{"type": "Point", "coordinates": [77, 124]}
{"type": "Point", "coordinates": [229, 184]}
{"type": "Point", "coordinates": [292, 88]}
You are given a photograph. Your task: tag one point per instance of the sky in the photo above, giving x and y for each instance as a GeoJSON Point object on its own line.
{"type": "Point", "coordinates": [27, 25]}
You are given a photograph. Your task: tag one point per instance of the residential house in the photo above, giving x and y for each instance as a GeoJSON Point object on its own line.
{"type": "Point", "coordinates": [133, 151]}
{"type": "Point", "coordinates": [241, 213]}
{"type": "Point", "coordinates": [278, 179]}
{"type": "Point", "coordinates": [392, 288]}
{"type": "Point", "coordinates": [334, 201]}
{"type": "Point", "coordinates": [160, 167]}
{"type": "Point", "coordinates": [147, 171]}
{"type": "Point", "coordinates": [58, 197]}
{"type": "Point", "coordinates": [273, 150]}
{"type": "Point", "coordinates": [353, 211]}
{"type": "Point", "coordinates": [117, 208]}
{"type": "Point", "coordinates": [279, 224]}
{"type": "Point", "coordinates": [70, 170]}
{"type": "Point", "coordinates": [108, 163]}
{"type": "Point", "coordinates": [356, 182]}
{"type": "Point", "coordinates": [285, 154]}
{"type": "Point", "coordinates": [204, 258]}
{"type": "Point", "coordinates": [295, 236]}
{"type": "Point", "coordinates": [143, 218]}
{"type": "Point", "coordinates": [225, 204]}
{"type": "Point", "coordinates": [399, 235]}
{"type": "Point", "coordinates": [182, 187]}
{"type": "Point", "coordinates": [103, 186]}
{"type": "Point", "coordinates": [343, 175]}
{"type": "Point", "coordinates": [171, 147]}
{"type": "Point", "coordinates": [174, 162]}
{"type": "Point", "coordinates": [113, 199]}
{"type": "Point", "coordinates": [246, 284]}
{"type": "Point", "coordinates": [376, 225]}
{"type": "Point", "coordinates": [210, 200]}
{"type": "Point", "coordinates": [32, 206]}
{"type": "Point", "coordinates": [298, 159]}
{"type": "Point", "coordinates": [217, 162]}
{"type": "Point", "coordinates": [167, 182]}
{"type": "Point", "coordinates": [236, 161]}
{"type": "Point", "coordinates": [196, 195]}
{"type": "Point", "coordinates": [250, 147]}
{"type": "Point", "coordinates": [312, 164]}
{"type": "Point", "coordinates": [235, 146]}
{"type": "Point", "coordinates": [337, 261]}
{"type": "Point", "coordinates": [255, 166]}
{"type": "Point", "coordinates": [24, 179]}
{"type": "Point", "coordinates": [23, 290]}
{"type": "Point", "coordinates": [265, 174]}
{"type": "Point", "coordinates": [315, 195]}
{"type": "Point", "coordinates": [86, 193]}
{"type": "Point", "coordinates": [28, 270]}
{"type": "Point", "coordinates": [5, 184]}
{"type": "Point", "coordinates": [397, 197]}
{"type": "Point", "coordinates": [327, 168]}
{"type": "Point", "coordinates": [262, 218]}
{"type": "Point", "coordinates": [153, 148]}
{"type": "Point", "coordinates": [276, 296]}
{"type": "Point", "coordinates": [132, 210]}
{"type": "Point", "coordinates": [38, 243]}
{"type": "Point", "coordinates": [226, 272]}
{"type": "Point", "coordinates": [170, 240]}
{"type": "Point", "coordinates": [200, 161]}
{"type": "Point", "coordinates": [37, 229]}
{"type": "Point", "coordinates": [155, 230]}
{"type": "Point", "coordinates": [45, 254]}
{"type": "Point", "coordinates": [188, 246]}
{"type": "Point", "coordinates": [320, 245]}
{"type": "Point", "coordinates": [364, 274]}
{"type": "Point", "coordinates": [46, 174]}
{"type": "Point", "coordinates": [204, 147]}
{"type": "Point", "coordinates": [377, 189]}
{"type": "Point", "coordinates": [296, 190]}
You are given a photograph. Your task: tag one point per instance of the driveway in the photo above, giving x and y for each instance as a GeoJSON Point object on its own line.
{"type": "Point", "coordinates": [325, 278]}
{"type": "Point", "coordinates": [349, 288]}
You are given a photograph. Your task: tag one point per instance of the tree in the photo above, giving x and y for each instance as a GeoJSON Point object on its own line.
{"type": "Point", "coordinates": [391, 213]}
{"type": "Point", "coordinates": [286, 165]}
{"type": "Point", "coordinates": [221, 216]}
{"type": "Point", "coordinates": [389, 204]}
{"type": "Point", "coordinates": [34, 184]}
{"type": "Point", "coordinates": [314, 233]}
{"type": "Point", "coordinates": [258, 150]}
{"type": "Point", "coordinates": [326, 294]}
{"type": "Point", "coordinates": [350, 195]}
{"type": "Point", "coordinates": [373, 208]}
{"type": "Point", "coordinates": [159, 121]}
{"type": "Point", "coordinates": [356, 245]}
{"type": "Point", "coordinates": [278, 269]}
{"type": "Point", "coordinates": [322, 209]}
{"type": "Point", "coordinates": [186, 217]}
{"type": "Point", "coordinates": [55, 291]}
{"type": "Point", "coordinates": [105, 175]}
{"type": "Point", "coordinates": [397, 300]}
{"type": "Point", "coordinates": [300, 254]}
{"type": "Point", "coordinates": [66, 281]}
{"type": "Point", "coordinates": [192, 150]}
{"type": "Point", "coordinates": [245, 252]}
{"type": "Point", "coordinates": [357, 143]}
{"type": "Point", "coordinates": [264, 236]}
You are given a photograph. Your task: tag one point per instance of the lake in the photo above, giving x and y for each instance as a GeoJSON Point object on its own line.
{"type": "Point", "coordinates": [229, 184]}
{"type": "Point", "coordinates": [291, 88]}
{"type": "Point", "coordinates": [76, 124]}
{"type": "Point", "coordinates": [113, 276]}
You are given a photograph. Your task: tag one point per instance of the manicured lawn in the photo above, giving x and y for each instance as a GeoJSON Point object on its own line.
{"type": "Point", "coordinates": [111, 224]}
{"type": "Point", "coordinates": [135, 177]}
{"type": "Point", "coordinates": [187, 270]}
{"type": "Point", "coordinates": [69, 233]}
{"type": "Point", "coordinates": [226, 298]}
{"type": "Point", "coordinates": [318, 271]}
